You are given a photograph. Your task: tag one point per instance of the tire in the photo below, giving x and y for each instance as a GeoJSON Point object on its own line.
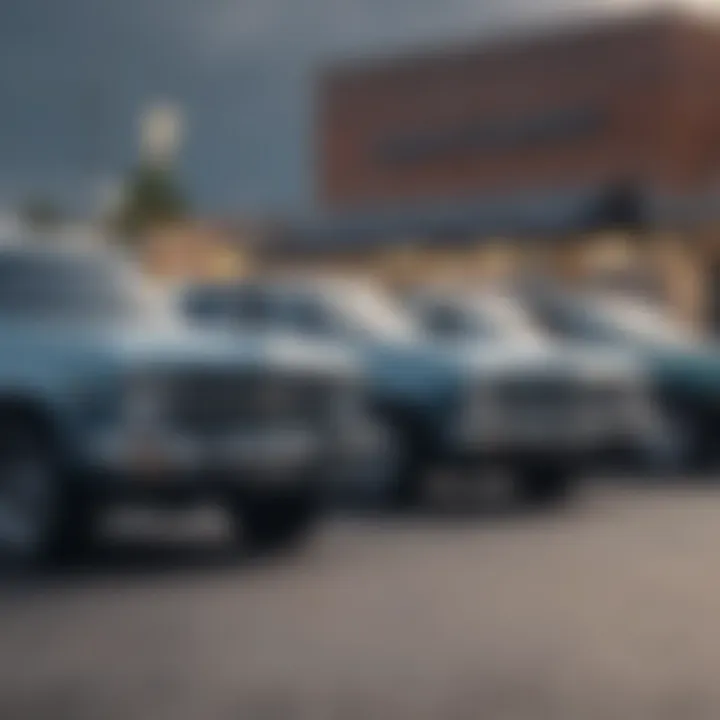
{"type": "Point", "coordinates": [75, 532]}
{"type": "Point", "coordinates": [690, 445]}
{"type": "Point", "coordinates": [544, 486]}
{"type": "Point", "coordinates": [407, 487]}
{"type": "Point", "coordinates": [31, 506]}
{"type": "Point", "coordinates": [685, 439]}
{"type": "Point", "coordinates": [267, 521]}
{"type": "Point", "coordinates": [403, 471]}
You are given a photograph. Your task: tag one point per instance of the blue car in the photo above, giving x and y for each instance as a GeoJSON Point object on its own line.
{"type": "Point", "coordinates": [108, 396]}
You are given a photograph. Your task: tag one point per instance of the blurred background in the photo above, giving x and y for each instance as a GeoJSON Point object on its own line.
{"type": "Point", "coordinates": [465, 139]}
{"type": "Point", "coordinates": [542, 174]}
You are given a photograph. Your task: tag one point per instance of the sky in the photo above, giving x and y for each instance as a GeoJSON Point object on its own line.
{"type": "Point", "coordinates": [77, 76]}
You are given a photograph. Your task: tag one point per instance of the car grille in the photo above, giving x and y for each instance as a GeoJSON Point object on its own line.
{"type": "Point", "coordinates": [560, 401]}
{"type": "Point", "coordinates": [216, 402]}
{"type": "Point", "coordinates": [532, 399]}
{"type": "Point", "coordinates": [522, 392]}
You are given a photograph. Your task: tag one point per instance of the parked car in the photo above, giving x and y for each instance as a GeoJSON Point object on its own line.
{"type": "Point", "coordinates": [606, 388]}
{"type": "Point", "coordinates": [107, 395]}
{"type": "Point", "coordinates": [447, 409]}
{"type": "Point", "coordinates": [684, 367]}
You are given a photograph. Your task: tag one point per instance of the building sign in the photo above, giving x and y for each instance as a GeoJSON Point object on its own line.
{"type": "Point", "coordinates": [488, 136]}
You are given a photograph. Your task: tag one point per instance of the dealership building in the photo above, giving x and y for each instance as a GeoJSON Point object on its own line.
{"type": "Point", "coordinates": [591, 152]}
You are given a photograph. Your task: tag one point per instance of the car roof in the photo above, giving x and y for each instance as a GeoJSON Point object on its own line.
{"type": "Point", "coordinates": [461, 295]}
{"type": "Point", "coordinates": [283, 286]}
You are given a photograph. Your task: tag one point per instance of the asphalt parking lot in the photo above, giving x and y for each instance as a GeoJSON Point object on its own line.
{"type": "Point", "coordinates": [608, 609]}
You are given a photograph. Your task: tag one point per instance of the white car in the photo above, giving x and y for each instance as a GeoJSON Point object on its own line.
{"type": "Point", "coordinates": [545, 390]}
{"type": "Point", "coordinates": [447, 408]}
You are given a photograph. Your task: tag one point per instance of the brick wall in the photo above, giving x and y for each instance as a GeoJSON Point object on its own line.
{"type": "Point", "coordinates": [620, 101]}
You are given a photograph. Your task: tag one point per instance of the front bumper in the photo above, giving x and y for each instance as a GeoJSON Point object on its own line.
{"type": "Point", "coordinates": [269, 457]}
{"type": "Point", "coordinates": [493, 458]}
{"type": "Point", "coordinates": [583, 418]}
{"type": "Point", "coordinates": [166, 463]}
{"type": "Point", "coordinates": [531, 438]}
{"type": "Point", "coordinates": [587, 443]}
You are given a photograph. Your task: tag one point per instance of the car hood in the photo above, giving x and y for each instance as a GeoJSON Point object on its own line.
{"type": "Point", "coordinates": [426, 370]}
{"type": "Point", "coordinates": [168, 345]}
{"type": "Point", "coordinates": [516, 357]}
{"type": "Point", "coordinates": [556, 358]}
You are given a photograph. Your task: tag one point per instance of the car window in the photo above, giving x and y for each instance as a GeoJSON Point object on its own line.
{"type": "Point", "coordinates": [308, 315]}
{"type": "Point", "coordinates": [252, 308]}
{"type": "Point", "coordinates": [559, 323]}
{"type": "Point", "coordinates": [208, 304]}
{"type": "Point", "coordinates": [571, 322]}
{"type": "Point", "coordinates": [636, 322]}
{"type": "Point", "coordinates": [71, 287]}
{"type": "Point", "coordinates": [444, 320]}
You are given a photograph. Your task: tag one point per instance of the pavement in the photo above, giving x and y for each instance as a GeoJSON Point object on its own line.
{"type": "Point", "coordinates": [606, 609]}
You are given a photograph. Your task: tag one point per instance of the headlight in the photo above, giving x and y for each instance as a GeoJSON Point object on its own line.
{"type": "Point", "coordinates": [477, 406]}
{"type": "Point", "coordinates": [350, 404]}
{"type": "Point", "coordinates": [144, 402]}
{"type": "Point", "coordinates": [643, 406]}
{"type": "Point", "coordinates": [271, 398]}
{"type": "Point", "coordinates": [622, 400]}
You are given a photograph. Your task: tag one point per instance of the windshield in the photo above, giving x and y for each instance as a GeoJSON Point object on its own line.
{"type": "Point", "coordinates": [613, 319]}
{"type": "Point", "coordinates": [475, 317]}
{"type": "Point", "coordinates": [377, 314]}
{"type": "Point", "coordinates": [638, 322]}
{"type": "Point", "coordinates": [502, 317]}
{"type": "Point", "coordinates": [74, 288]}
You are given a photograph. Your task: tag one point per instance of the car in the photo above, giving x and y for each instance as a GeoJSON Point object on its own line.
{"type": "Point", "coordinates": [107, 396]}
{"type": "Point", "coordinates": [607, 388]}
{"type": "Point", "coordinates": [446, 410]}
{"type": "Point", "coordinates": [684, 367]}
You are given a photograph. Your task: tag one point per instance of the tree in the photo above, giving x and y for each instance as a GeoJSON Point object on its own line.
{"type": "Point", "coordinates": [152, 197]}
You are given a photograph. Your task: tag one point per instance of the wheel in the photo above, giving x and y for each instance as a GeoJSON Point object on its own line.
{"type": "Point", "coordinates": [541, 486]}
{"type": "Point", "coordinates": [407, 486]}
{"type": "Point", "coordinates": [29, 493]}
{"type": "Point", "coordinates": [401, 468]}
{"type": "Point", "coordinates": [688, 444]}
{"type": "Point", "coordinates": [74, 534]}
{"type": "Point", "coordinates": [271, 520]}
{"type": "Point", "coordinates": [40, 519]}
